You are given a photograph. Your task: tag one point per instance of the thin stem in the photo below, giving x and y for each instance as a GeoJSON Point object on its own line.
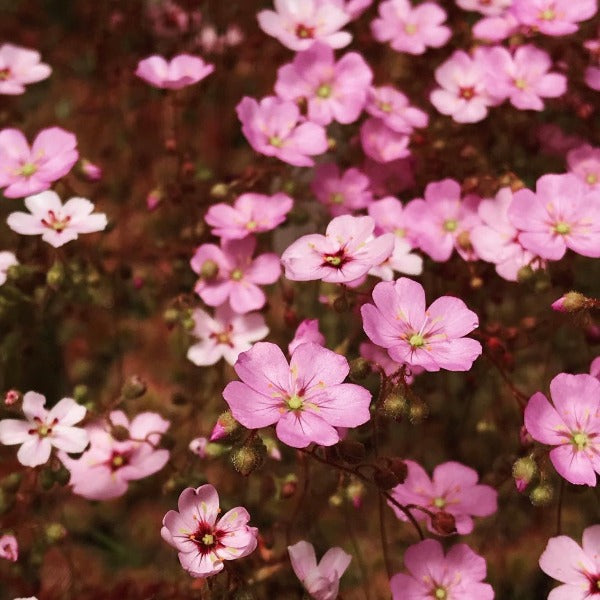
{"type": "Point", "coordinates": [364, 575]}
{"type": "Point", "coordinates": [384, 541]}
{"type": "Point", "coordinates": [561, 492]}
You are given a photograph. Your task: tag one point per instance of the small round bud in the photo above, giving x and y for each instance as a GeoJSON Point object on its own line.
{"type": "Point", "coordinates": [55, 532]}
{"type": "Point", "coordinates": [289, 486]}
{"type": "Point", "coordinates": [209, 269]}
{"type": "Point", "coordinates": [525, 273]}
{"type": "Point", "coordinates": [340, 304]}
{"type": "Point", "coordinates": [394, 405]}
{"type": "Point", "coordinates": [249, 457]}
{"type": "Point", "coordinates": [336, 500]}
{"type": "Point", "coordinates": [355, 492]}
{"type": "Point", "coordinates": [399, 468]}
{"type": "Point", "coordinates": [385, 478]}
{"type": "Point", "coordinates": [46, 479]}
{"type": "Point", "coordinates": [133, 388]}
{"type": "Point", "coordinates": [570, 303]}
{"type": "Point", "coordinates": [219, 190]}
{"type": "Point", "coordinates": [443, 523]}
{"type": "Point", "coordinates": [226, 427]}
{"type": "Point", "coordinates": [351, 451]}
{"type": "Point", "coordinates": [11, 482]}
{"type": "Point", "coordinates": [464, 240]}
{"type": "Point", "coordinates": [12, 397]}
{"type": "Point", "coordinates": [62, 475]}
{"type": "Point", "coordinates": [476, 283]}
{"type": "Point", "coordinates": [542, 494]}
{"type": "Point", "coordinates": [80, 393]}
{"type": "Point", "coordinates": [55, 276]}
{"type": "Point", "coordinates": [418, 411]}
{"type": "Point", "coordinates": [359, 369]}
{"type": "Point", "coordinates": [188, 323]}
{"type": "Point", "coordinates": [523, 471]}
{"type": "Point", "coordinates": [89, 170]}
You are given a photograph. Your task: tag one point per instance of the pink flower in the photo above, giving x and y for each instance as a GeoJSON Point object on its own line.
{"type": "Point", "coordinates": [390, 178]}
{"type": "Point", "coordinates": [342, 193]}
{"type": "Point", "coordinates": [7, 260]}
{"type": "Point", "coordinates": [577, 567]}
{"type": "Point", "coordinates": [495, 240]}
{"type": "Point", "coordinates": [345, 253]}
{"type": "Point", "coordinates": [392, 107]}
{"type": "Point", "coordinates": [523, 77]}
{"type": "Point", "coordinates": [453, 489]}
{"type": "Point", "coordinates": [89, 170]}
{"type": "Point", "coordinates": [592, 77]}
{"type": "Point", "coordinates": [334, 90]}
{"type": "Point", "coordinates": [273, 128]}
{"type": "Point", "coordinates": [463, 93]}
{"type": "Point", "coordinates": [307, 331]}
{"type": "Point", "coordinates": [9, 548]}
{"type": "Point", "coordinates": [354, 8]}
{"type": "Point", "coordinates": [198, 446]}
{"type": "Point", "coordinates": [572, 425]}
{"type": "Point", "coordinates": [44, 429]}
{"type": "Point", "coordinates": [410, 28]}
{"type": "Point", "coordinates": [595, 368]}
{"type": "Point", "coordinates": [563, 213]}
{"type": "Point", "coordinates": [321, 581]}
{"type": "Point", "coordinates": [250, 213]}
{"type": "Point", "coordinates": [443, 220]}
{"type": "Point", "coordinates": [402, 260]}
{"type": "Point", "coordinates": [18, 67]}
{"type": "Point", "coordinates": [381, 143]}
{"type": "Point", "coordinates": [584, 162]}
{"type": "Point", "coordinates": [106, 468]}
{"type": "Point", "coordinates": [380, 357]}
{"type": "Point", "coordinates": [225, 335]}
{"type": "Point", "coordinates": [392, 217]}
{"type": "Point", "coordinates": [305, 399]}
{"type": "Point", "coordinates": [297, 24]}
{"type": "Point", "coordinates": [456, 576]}
{"type": "Point", "coordinates": [490, 8]}
{"type": "Point", "coordinates": [55, 222]}
{"type": "Point", "coordinates": [430, 338]}
{"type": "Point", "coordinates": [202, 540]}
{"type": "Point", "coordinates": [229, 274]}
{"type": "Point", "coordinates": [179, 72]}
{"type": "Point", "coordinates": [25, 171]}
{"type": "Point", "coordinates": [553, 17]}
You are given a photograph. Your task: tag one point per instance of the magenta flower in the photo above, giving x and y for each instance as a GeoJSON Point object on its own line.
{"type": "Point", "coordinates": [577, 567]}
{"type": "Point", "coordinates": [523, 77]}
{"type": "Point", "coordinates": [298, 24]}
{"type": "Point", "coordinates": [572, 425]}
{"type": "Point", "coordinates": [250, 213]}
{"type": "Point", "coordinates": [179, 72]}
{"type": "Point", "coordinates": [18, 67]}
{"type": "Point", "coordinates": [106, 468]}
{"type": "Point", "coordinates": [391, 216]}
{"type": "Point", "coordinates": [24, 170]}
{"type": "Point", "coordinates": [431, 338]}
{"type": "Point", "coordinates": [490, 8]}
{"type": "Point", "coordinates": [553, 17]}
{"type": "Point", "coordinates": [306, 399]}
{"type": "Point", "coordinates": [333, 90]}
{"type": "Point", "coordinates": [345, 253]}
{"type": "Point", "coordinates": [202, 539]}
{"type": "Point", "coordinates": [307, 331]}
{"type": "Point", "coordinates": [7, 260]}
{"type": "Point", "coordinates": [443, 220]}
{"type": "Point", "coordinates": [584, 162]}
{"type": "Point", "coordinates": [495, 240]}
{"type": "Point", "coordinates": [230, 274]}
{"type": "Point", "coordinates": [341, 193]}
{"type": "Point", "coordinates": [563, 213]}
{"type": "Point", "coordinates": [273, 128]}
{"type": "Point", "coordinates": [393, 108]}
{"type": "Point", "coordinates": [381, 143]}
{"type": "Point", "coordinates": [456, 576]}
{"type": "Point", "coordinates": [452, 489]}
{"type": "Point", "coordinates": [410, 28]}
{"type": "Point", "coordinates": [44, 429]}
{"type": "Point", "coordinates": [595, 368]}
{"type": "Point", "coordinates": [321, 581]}
{"type": "Point", "coordinates": [463, 93]}
{"type": "Point", "coordinates": [9, 548]}
{"type": "Point", "coordinates": [55, 222]}
{"type": "Point", "coordinates": [592, 77]}
{"type": "Point", "coordinates": [225, 335]}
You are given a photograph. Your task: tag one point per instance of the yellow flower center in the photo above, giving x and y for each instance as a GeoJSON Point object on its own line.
{"type": "Point", "coordinates": [208, 539]}
{"type": "Point", "coordinates": [337, 198]}
{"type": "Point", "coordinates": [440, 593]}
{"type": "Point", "coordinates": [118, 461]}
{"type": "Point", "coordinates": [580, 440]}
{"type": "Point", "coordinates": [324, 91]}
{"type": "Point", "coordinates": [450, 225]}
{"type": "Point", "coordinates": [276, 141]}
{"type": "Point", "coordinates": [236, 274]}
{"type": "Point", "coordinates": [591, 178]}
{"type": "Point", "coordinates": [410, 29]}
{"type": "Point", "coordinates": [251, 225]}
{"type": "Point", "coordinates": [28, 169]}
{"type": "Point", "coordinates": [295, 402]}
{"type": "Point", "coordinates": [416, 340]}
{"type": "Point", "coordinates": [562, 228]}
{"type": "Point", "coordinates": [547, 15]}
{"type": "Point", "coordinates": [520, 83]}
{"type": "Point", "coordinates": [439, 502]}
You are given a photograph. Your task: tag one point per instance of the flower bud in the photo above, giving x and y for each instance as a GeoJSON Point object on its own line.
{"type": "Point", "coordinates": [443, 523]}
{"type": "Point", "coordinates": [80, 392]}
{"type": "Point", "coordinates": [385, 478]}
{"type": "Point", "coordinates": [336, 500]}
{"type": "Point", "coordinates": [225, 427]}
{"type": "Point", "coordinates": [11, 482]}
{"type": "Point", "coordinates": [394, 405]}
{"type": "Point", "coordinates": [524, 470]}
{"type": "Point", "coordinates": [351, 451]}
{"type": "Point", "coordinates": [249, 457]}
{"type": "Point", "coordinates": [399, 468]}
{"type": "Point", "coordinates": [12, 397]}
{"type": "Point", "coordinates": [355, 492]}
{"type": "Point", "coordinates": [525, 273]}
{"type": "Point", "coordinates": [289, 486]}
{"type": "Point", "coordinates": [46, 479]}
{"type": "Point", "coordinates": [418, 411]}
{"type": "Point", "coordinates": [62, 475]}
{"type": "Point", "coordinates": [209, 269]}
{"type": "Point", "coordinates": [219, 190]}
{"type": "Point", "coordinates": [541, 495]}
{"type": "Point", "coordinates": [359, 369]}
{"type": "Point", "coordinates": [89, 170]}
{"type": "Point", "coordinates": [55, 276]}
{"type": "Point", "coordinates": [340, 304]}
{"type": "Point", "coordinates": [55, 532]}
{"type": "Point", "coordinates": [153, 199]}
{"type": "Point", "coordinates": [569, 303]}
{"type": "Point", "coordinates": [133, 388]}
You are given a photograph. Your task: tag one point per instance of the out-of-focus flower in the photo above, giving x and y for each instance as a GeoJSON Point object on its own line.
{"type": "Point", "coordinates": [19, 67]}
{"type": "Point", "coordinates": [490, 8]}
{"type": "Point", "coordinates": [307, 331]}
{"type": "Point", "coordinates": [306, 398]}
{"type": "Point", "coordinates": [393, 108]}
{"type": "Point", "coordinates": [553, 17]}
{"type": "Point", "coordinates": [55, 222]}
{"type": "Point", "coordinates": [44, 429]}
{"type": "Point", "coordinates": [9, 548]}
{"type": "Point", "coordinates": [391, 216]}
{"type": "Point", "coordinates": [202, 540]}
{"type": "Point", "coordinates": [381, 143]}
{"type": "Point", "coordinates": [584, 162]}
{"type": "Point", "coordinates": [354, 8]}
{"type": "Point", "coordinates": [179, 72]}
{"type": "Point", "coordinates": [342, 193]}
{"type": "Point", "coordinates": [592, 77]}
{"type": "Point", "coordinates": [153, 199]}
{"type": "Point", "coordinates": [496, 28]}
{"type": "Point", "coordinates": [28, 170]}
{"type": "Point", "coordinates": [7, 260]}
{"type": "Point", "coordinates": [225, 335]}
{"type": "Point", "coordinates": [390, 178]}
{"type": "Point", "coordinates": [12, 397]}
{"type": "Point", "coordinates": [89, 170]}
{"type": "Point", "coordinates": [321, 581]}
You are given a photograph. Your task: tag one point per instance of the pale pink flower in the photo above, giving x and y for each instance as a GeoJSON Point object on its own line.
{"type": "Point", "coordinates": [381, 143]}
{"type": "Point", "coordinates": [305, 399]}
{"type": "Point", "coordinates": [9, 548]}
{"type": "Point", "coordinates": [202, 539]}
{"type": "Point", "coordinates": [410, 28]}
{"type": "Point", "coordinates": [380, 357]}
{"type": "Point", "coordinates": [490, 8]}
{"type": "Point", "coordinates": [225, 335]}
{"type": "Point", "coordinates": [563, 213]}
{"type": "Point", "coordinates": [89, 170]}
{"type": "Point", "coordinates": [274, 128]}
{"type": "Point", "coordinates": [342, 193]}
{"type": "Point", "coordinates": [496, 28]}
{"type": "Point", "coordinates": [431, 338]}
{"type": "Point", "coordinates": [572, 425]}
{"type": "Point", "coordinates": [181, 71]}
{"type": "Point", "coordinates": [321, 581]}
{"type": "Point", "coordinates": [577, 567]}
{"type": "Point", "coordinates": [334, 91]}
{"type": "Point", "coordinates": [44, 429]}
{"type": "Point", "coordinates": [24, 170]}
{"type": "Point", "coordinates": [595, 368]}
{"type": "Point", "coordinates": [402, 260]}
{"type": "Point", "coordinates": [234, 275]}
{"type": "Point", "coordinates": [307, 331]}
{"type": "Point", "coordinates": [18, 67]}
{"type": "Point", "coordinates": [345, 253]}
{"type": "Point", "coordinates": [297, 24]}
{"type": "Point", "coordinates": [198, 446]}
{"type": "Point", "coordinates": [554, 17]}
{"type": "Point", "coordinates": [463, 93]}
{"type": "Point", "coordinates": [354, 8]}
{"type": "Point", "coordinates": [592, 77]}
{"type": "Point", "coordinates": [7, 260]}
{"type": "Point", "coordinates": [392, 217]}
{"type": "Point", "coordinates": [453, 489]}
{"type": "Point", "coordinates": [432, 576]}
{"type": "Point", "coordinates": [393, 108]}
{"type": "Point", "coordinates": [250, 213]}
{"type": "Point", "coordinates": [55, 222]}
{"type": "Point", "coordinates": [106, 468]}
{"type": "Point", "coordinates": [584, 162]}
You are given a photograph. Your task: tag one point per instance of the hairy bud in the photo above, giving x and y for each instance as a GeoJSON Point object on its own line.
{"type": "Point", "coordinates": [571, 302]}
{"type": "Point", "coordinates": [394, 405]}
{"type": "Point", "coordinates": [226, 427]}
{"type": "Point", "coordinates": [542, 494]}
{"type": "Point", "coordinates": [359, 369]}
{"type": "Point", "coordinates": [249, 457]}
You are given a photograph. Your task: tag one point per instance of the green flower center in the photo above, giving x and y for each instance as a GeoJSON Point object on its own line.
{"type": "Point", "coordinates": [450, 225]}
{"type": "Point", "coordinates": [324, 91]}
{"type": "Point", "coordinates": [276, 141]}
{"type": "Point", "coordinates": [562, 228]}
{"type": "Point", "coordinates": [439, 502]}
{"type": "Point", "coordinates": [295, 402]}
{"type": "Point", "coordinates": [251, 225]}
{"type": "Point", "coordinates": [44, 430]}
{"type": "Point", "coordinates": [547, 15]}
{"type": "Point", "coordinates": [337, 198]}
{"type": "Point", "coordinates": [440, 593]}
{"type": "Point", "coordinates": [410, 29]}
{"type": "Point", "coordinates": [237, 274]}
{"type": "Point", "coordinates": [208, 539]}
{"type": "Point", "coordinates": [580, 440]}
{"type": "Point", "coordinates": [28, 169]}
{"type": "Point", "coordinates": [416, 340]}
{"type": "Point", "coordinates": [223, 338]}
{"type": "Point", "coordinates": [334, 261]}
{"type": "Point", "coordinates": [591, 178]}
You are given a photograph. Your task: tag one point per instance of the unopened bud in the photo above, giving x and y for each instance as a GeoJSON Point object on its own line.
{"type": "Point", "coordinates": [340, 304]}
{"type": "Point", "coordinates": [289, 486]}
{"type": "Point", "coordinates": [12, 397]}
{"type": "Point", "coordinates": [62, 475]}
{"type": "Point", "coordinates": [133, 388]}
{"type": "Point", "coordinates": [542, 494]}
{"type": "Point", "coordinates": [523, 471]}
{"type": "Point", "coordinates": [153, 199]}
{"type": "Point", "coordinates": [80, 392]}
{"type": "Point", "coordinates": [249, 457]}
{"type": "Point", "coordinates": [394, 405]}
{"type": "Point", "coordinates": [525, 273]}
{"type": "Point", "coordinates": [359, 369]}
{"type": "Point", "coordinates": [55, 276]}
{"type": "Point", "coordinates": [219, 190]}
{"type": "Point", "coordinates": [351, 451]}
{"type": "Point", "coordinates": [55, 532]}
{"type": "Point", "coordinates": [355, 493]}
{"type": "Point", "coordinates": [336, 500]}
{"type": "Point", "coordinates": [418, 411]}
{"type": "Point", "coordinates": [89, 170]}
{"type": "Point", "coordinates": [570, 302]}
{"type": "Point", "coordinates": [11, 482]}
{"type": "Point", "coordinates": [385, 478]}
{"type": "Point", "coordinates": [225, 427]}
{"type": "Point", "coordinates": [120, 433]}
{"type": "Point", "coordinates": [464, 240]}
{"type": "Point", "coordinates": [399, 468]}
{"type": "Point", "coordinates": [46, 479]}
{"type": "Point", "coordinates": [443, 523]}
